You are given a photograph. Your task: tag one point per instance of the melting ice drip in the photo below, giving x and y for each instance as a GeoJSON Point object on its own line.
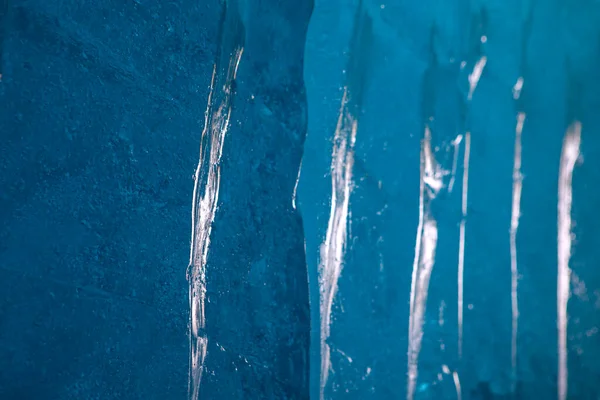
{"type": "Point", "coordinates": [426, 243]}
{"type": "Point", "coordinates": [569, 156]}
{"type": "Point", "coordinates": [204, 205]}
{"type": "Point", "coordinates": [332, 250]}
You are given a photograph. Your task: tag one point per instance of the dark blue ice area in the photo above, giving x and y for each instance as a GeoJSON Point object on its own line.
{"type": "Point", "coordinates": [386, 199]}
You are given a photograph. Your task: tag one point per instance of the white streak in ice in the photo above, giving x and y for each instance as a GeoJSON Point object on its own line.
{"type": "Point", "coordinates": [461, 243]}
{"type": "Point", "coordinates": [568, 158]}
{"type": "Point", "coordinates": [456, 143]}
{"type": "Point", "coordinates": [474, 78]}
{"type": "Point", "coordinates": [204, 205]}
{"type": "Point", "coordinates": [457, 385]}
{"type": "Point", "coordinates": [425, 247]}
{"type": "Point", "coordinates": [332, 250]}
{"type": "Point", "coordinates": [476, 75]}
{"type": "Point", "coordinates": [296, 187]}
{"type": "Point", "coordinates": [514, 226]}
{"type": "Point", "coordinates": [517, 88]}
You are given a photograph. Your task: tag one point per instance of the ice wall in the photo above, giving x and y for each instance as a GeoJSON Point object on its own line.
{"type": "Point", "coordinates": [101, 107]}
{"type": "Point", "coordinates": [440, 272]}
{"type": "Point", "coordinates": [448, 199]}
{"type": "Point", "coordinates": [250, 324]}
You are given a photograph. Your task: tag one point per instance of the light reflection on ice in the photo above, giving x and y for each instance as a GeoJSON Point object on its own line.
{"type": "Point", "coordinates": [425, 247]}
{"type": "Point", "coordinates": [204, 205]}
{"type": "Point", "coordinates": [461, 244]}
{"type": "Point", "coordinates": [476, 75]}
{"type": "Point", "coordinates": [514, 226]}
{"type": "Point", "coordinates": [569, 156]}
{"type": "Point", "coordinates": [456, 144]}
{"type": "Point", "coordinates": [332, 250]}
{"type": "Point", "coordinates": [296, 187]}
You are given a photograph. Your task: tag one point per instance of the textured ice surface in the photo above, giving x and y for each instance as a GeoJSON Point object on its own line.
{"type": "Point", "coordinates": [250, 321]}
{"type": "Point", "coordinates": [100, 120]}
{"type": "Point", "coordinates": [441, 241]}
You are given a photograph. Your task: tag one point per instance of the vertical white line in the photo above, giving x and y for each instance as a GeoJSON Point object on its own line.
{"type": "Point", "coordinates": [474, 78]}
{"type": "Point", "coordinates": [456, 143]}
{"type": "Point", "coordinates": [461, 269]}
{"type": "Point", "coordinates": [461, 249]}
{"type": "Point", "coordinates": [418, 241]}
{"type": "Point", "coordinates": [197, 174]}
{"type": "Point", "coordinates": [204, 207]}
{"type": "Point", "coordinates": [425, 248]}
{"type": "Point", "coordinates": [476, 75]}
{"type": "Point", "coordinates": [332, 250]}
{"type": "Point", "coordinates": [569, 155]}
{"type": "Point", "coordinates": [198, 343]}
{"type": "Point", "coordinates": [412, 369]}
{"type": "Point", "coordinates": [514, 226]}
{"type": "Point", "coordinates": [457, 385]}
{"type": "Point", "coordinates": [296, 186]}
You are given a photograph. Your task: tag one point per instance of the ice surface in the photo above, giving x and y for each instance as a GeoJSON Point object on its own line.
{"type": "Point", "coordinates": [458, 86]}
{"type": "Point", "coordinates": [250, 325]}
{"type": "Point", "coordinates": [389, 199]}
{"type": "Point", "coordinates": [100, 120]}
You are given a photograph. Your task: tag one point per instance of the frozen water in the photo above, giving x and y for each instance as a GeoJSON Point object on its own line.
{"type": "Point", "coordinates": [474, 95]}
{"type": "Point", "coordinates": [250, 321]}
{"type": "Point", "coordinates": [386, 199]}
